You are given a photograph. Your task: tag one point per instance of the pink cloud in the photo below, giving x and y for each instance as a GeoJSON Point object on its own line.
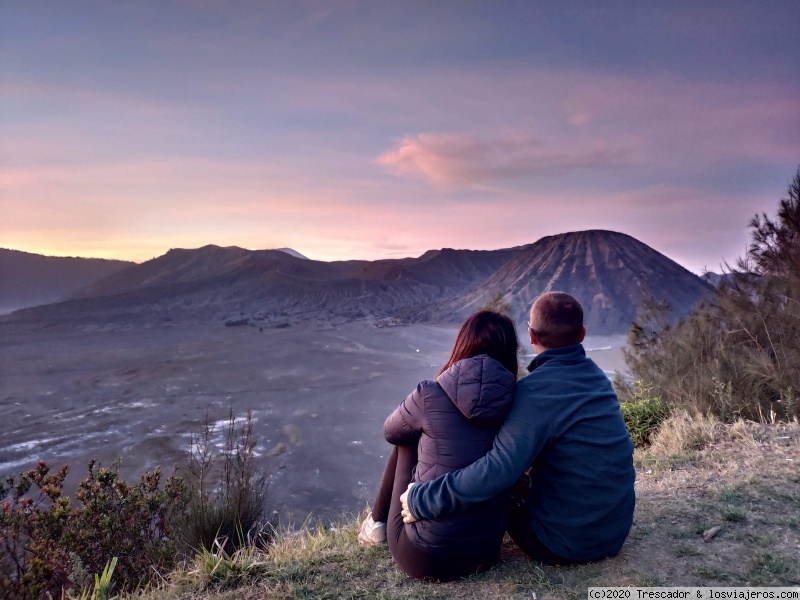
{"type": "Point", "coordinates": [459, 159]}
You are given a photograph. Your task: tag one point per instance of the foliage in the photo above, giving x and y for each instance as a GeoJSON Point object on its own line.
{"type": "Point", "coordinates": [130, 522]}
{"type": "Point", "coordinates": [737, 355]}
{"type": "Point", "coordinates": [103, 585]}
{"type": "Point", "coordinates": [498, 303]}
{"type": "Point", "coordinates": [32, 562]}
{"type": "Point", "coordinates": [102, 582]}
{"type": "Point", "coordinates": [227, 501]}
{"type": "Point", "coordinates": [47, 544]}
{"type": "Point", "coordinates": [219, 568]}
{"type": "Point", "coordinates": [643, 413]}
{"type": "Point", "coordinates": [50, 546]}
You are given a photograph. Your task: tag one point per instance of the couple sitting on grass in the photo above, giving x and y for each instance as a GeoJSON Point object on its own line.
{"type": "Point", "coordinates": [476, 453]}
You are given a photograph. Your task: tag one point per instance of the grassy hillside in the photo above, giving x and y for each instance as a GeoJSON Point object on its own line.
{"type": "Point", "coordinates": [743, 478]}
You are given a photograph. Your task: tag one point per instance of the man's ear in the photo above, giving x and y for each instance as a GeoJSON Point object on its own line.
{"type": "Point", "coordinates": [583, 334]}
{"type": "Point", "coordinates": [534, 341]}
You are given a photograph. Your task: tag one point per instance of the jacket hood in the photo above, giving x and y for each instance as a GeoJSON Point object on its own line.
{"type": "Point", "coordinates": [480, 387]}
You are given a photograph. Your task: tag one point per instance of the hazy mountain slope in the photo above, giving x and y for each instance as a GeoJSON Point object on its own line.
{"type": "Point", "coordinates": [212, 282]}
{"type": "Point", "coordinates": [458, 266]}
{"type": "Point", "coordinates": [181, 266]}
{"type": "Point", "coordinates": [609, 272]}
{"type": "Point", "coordinates": [28, 279]}
{"type": "Point", "coordinates": [175, 267]}
{"type": "Point", "coordinates": [293, 252]}
{"type": "Point", "coordinates": [263, 270]}
{"type": "Point", "coordinates": [717, 279]}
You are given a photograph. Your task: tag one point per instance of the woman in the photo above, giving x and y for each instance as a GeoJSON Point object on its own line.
{"type": "Point", "coordinates": [442, 426]}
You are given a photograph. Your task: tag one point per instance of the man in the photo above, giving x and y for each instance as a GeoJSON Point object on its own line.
{"type": "Point", "coordinates": [565, 437]}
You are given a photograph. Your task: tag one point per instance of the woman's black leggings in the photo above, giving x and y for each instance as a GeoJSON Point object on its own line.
{"type": "Point", "coordinates": [440, 563]}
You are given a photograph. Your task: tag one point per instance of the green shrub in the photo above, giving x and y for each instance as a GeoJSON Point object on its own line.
{"type": "Point", "coordinates": [130, 522]}
{"type": "Point", "coordinates": [643, 414]}
{"type": "Point", "coordinates": [32, 563]}
{"type": "Point", "coordinates": [48, 546]}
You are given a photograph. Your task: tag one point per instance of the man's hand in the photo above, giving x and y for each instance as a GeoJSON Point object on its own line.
{"type": "Point", "coordinates": [405, 513]}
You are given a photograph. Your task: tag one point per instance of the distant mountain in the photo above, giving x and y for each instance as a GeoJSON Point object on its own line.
{"type": "Point", "coordinates": [215, 282]}
{"type": "Point", "coordinates": [292, 252]}
{"type": "Point", "coordinates": [610, 273]}
{"type": "Point", "coordinates": [716, 279]}
{"type": "Point", "coordinates": [28, 279]}
{"type": "Point", "coordinates": [177, 268]}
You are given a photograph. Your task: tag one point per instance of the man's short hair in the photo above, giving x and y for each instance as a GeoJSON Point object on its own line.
{"type": "Point", "coordinates": [557, 320]}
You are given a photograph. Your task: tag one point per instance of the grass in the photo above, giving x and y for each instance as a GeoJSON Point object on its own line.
{"type": "Point", "coordinates": [643, 413]}
{"type": "Point", "coordinates": [743, 479]}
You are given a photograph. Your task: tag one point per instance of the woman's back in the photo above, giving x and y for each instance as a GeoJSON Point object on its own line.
{"type": "Point", "coordinates": [456, 419]}
{"type": "Point", "coordinates": [442, 426]}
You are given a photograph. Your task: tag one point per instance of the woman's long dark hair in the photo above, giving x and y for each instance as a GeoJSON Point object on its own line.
{"type": "Point", "coordinates": [486, 332]}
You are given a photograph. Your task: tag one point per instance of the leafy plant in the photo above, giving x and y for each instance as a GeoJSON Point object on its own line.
{"type": "Point", "coordinates": [643, 413]}
{"type": "Point", "coordinates": [127, 521]}
{"type": "Point", "coordinates": [47, 545]}
{"type": "Point", "coordinates": [33, 518]}
{"type": "Point", "coordinates": [498, 303]}
{"type": "Point", "coordinates": [103, 585]}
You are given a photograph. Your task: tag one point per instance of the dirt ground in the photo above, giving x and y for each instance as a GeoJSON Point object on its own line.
{"type": "Point", "coordinates": [318, 394]}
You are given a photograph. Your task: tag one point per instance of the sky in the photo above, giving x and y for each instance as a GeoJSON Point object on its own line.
{"type": "Point", "coordinates": [368, 130]}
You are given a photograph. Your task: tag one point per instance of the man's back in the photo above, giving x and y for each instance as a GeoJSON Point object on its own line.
{"type": "Point", "coordinates": [566, 424]}
{"type": "Point", "coordinates": [581, 495]}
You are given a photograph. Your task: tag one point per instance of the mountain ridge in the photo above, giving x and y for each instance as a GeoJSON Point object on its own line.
{"type": "Point", "coordinates": [609, 272]}
{"type": "Point", "coordinates": [28, 279]}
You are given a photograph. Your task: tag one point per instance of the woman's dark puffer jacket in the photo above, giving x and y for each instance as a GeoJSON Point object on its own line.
{"type": "Point", "coordinates": [454, 420]}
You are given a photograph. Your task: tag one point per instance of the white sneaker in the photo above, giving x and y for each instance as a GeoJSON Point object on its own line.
{"type": "Point", "coordinates": [371, 532]}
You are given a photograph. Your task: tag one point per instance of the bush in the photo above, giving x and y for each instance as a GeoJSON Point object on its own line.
{"type": "Point", "coordinates": [498, 303]}
{"type": "Point", "coordinates": [116, 519]}
{"type": "Point", "coordinates": [643, 414]}
{"type": "Point", "coordinates": [47, 545]}
{"type": "Point", "coordinates": [227, 501]}
{"type": "Point", "coordinates": [737, 356]}
{"type": "Point", "coordinates": [32, 562]}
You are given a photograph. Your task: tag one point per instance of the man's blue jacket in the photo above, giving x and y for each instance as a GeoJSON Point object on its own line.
{"type": "Point", "coordinates": [566, 427]}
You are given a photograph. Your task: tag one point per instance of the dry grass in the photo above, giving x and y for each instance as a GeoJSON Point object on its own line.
{"type": "Point", "coordinates": [699, 474]}
{"type": "Point", "coordinates": [745, 479]}
{"type": "Point", "coordinates": [683, 433]}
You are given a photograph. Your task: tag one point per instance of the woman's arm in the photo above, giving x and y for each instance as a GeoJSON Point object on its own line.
{"type": "Point", "coordinates": [405, 424]}
{"type": "Point", "coordinates": [516, 445]}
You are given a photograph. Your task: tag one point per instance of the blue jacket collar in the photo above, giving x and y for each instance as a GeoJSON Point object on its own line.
{"type": "Point", "coordinates": [575, 351]}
